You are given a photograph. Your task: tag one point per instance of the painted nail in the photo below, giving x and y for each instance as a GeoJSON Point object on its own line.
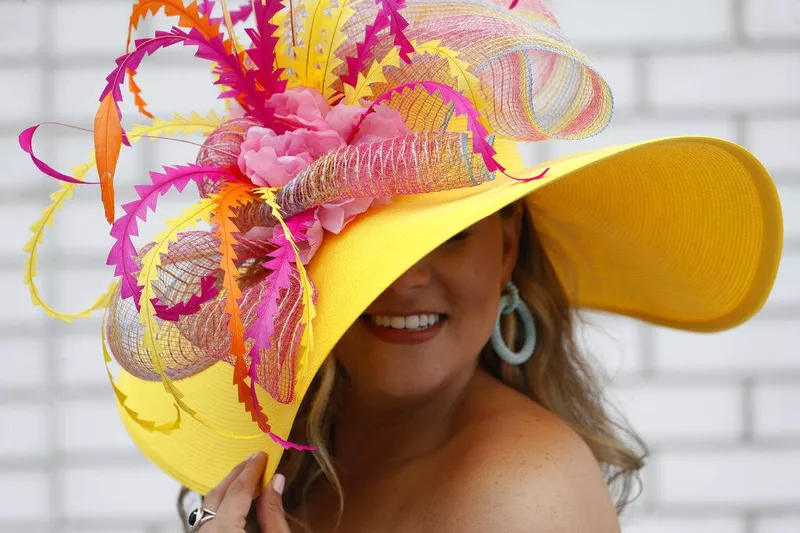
{"type": "Point", "coordinates": [278, 481]}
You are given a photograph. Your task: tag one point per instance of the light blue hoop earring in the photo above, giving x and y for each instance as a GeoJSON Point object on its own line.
{"type": "Point", "coordinates": [509, 303]}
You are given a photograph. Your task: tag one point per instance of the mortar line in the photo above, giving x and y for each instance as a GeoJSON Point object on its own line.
{"type": "Point", "coordinates": [740, 37]}
{"type": "Point", "coordinates": [642, 82]}
{"type": "Point", "coordinates": [748, 410]}
{"type": "Point", "coordinates": [47, 109]}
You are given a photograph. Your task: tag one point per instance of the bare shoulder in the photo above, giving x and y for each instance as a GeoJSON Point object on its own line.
{"type": "Point", "coordinates": [516, 467]}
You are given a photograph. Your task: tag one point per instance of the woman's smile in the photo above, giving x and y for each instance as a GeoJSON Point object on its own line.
{"type": "Point", "coordinates": [412, 328]}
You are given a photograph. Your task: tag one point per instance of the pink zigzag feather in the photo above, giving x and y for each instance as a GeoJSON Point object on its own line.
{"type": "Point", "coordinates": [231, 73]}
{"type": "Point", "coordinates": [462, 106]}
{"type": "Point", "coordinates": [263, 51]}
{"type": "Point", "coordinates": [123, 252]}
{"type": "Point", "coordinates": [388, 16]}
{"type": "Point", "coordinates": [262, 329]}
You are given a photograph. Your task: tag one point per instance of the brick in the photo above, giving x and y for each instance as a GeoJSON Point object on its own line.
{"type": "Point", "coordinates": [17, 218]}
{"type": "Point", "coordinates": [23, 363]}
{"type": "Point", "coordinates": [771, 19]}
{"type": "Point", "coordinates": [85, 493]}
{"type": "Point", "coordinates": [80, 359]}
{"type": "Point", "coordinates": [787, 284]}
{"type": "Point", "coordinates": [173, 153]}
{"type": "Point", "coordinates": [82, 227]}
{"type": "Point", "coordinates": [20, 175]}
{"type": "Point", "coordinates": [19, 27]}
{"type": "Point", "coordinates": [725, 80]}
{"type": "Point", "coordinates": [20, 94]}
{"type": "Point", "coordinates": [775, 408]}
{"type": "Point", "coordinates": [746, 477]}
{"type": "Point", "coordinates": [790, 205]}
{"type": "Point", "coordinates": [778, 524]}
{"type": "Point", "coordinates": [757, 346]}
{"type": "Point", "coordinates": [624, 131]}
{"type": "Point", "coordinates": [644, 24]}
{"type": "Point", "coordinates": [773, 142]}
{"type": "Point", "coordinates": [695, 524]}
{"type": "Point", "coordinates": [16, 306]}
{"type": "Point", "coordinates": [165, 86]}
{"type": "Point", "coordinates": [665, 414]}
{"type": "Point", "coordinates": [72, 150]}
{"type": "Point", "coordinates": [24, 496]}
{"type": "Point", "coordinates": [75, 93]}
{"type": "Point", "coordinates": [614, 341]}
{"type": "Point", "coordinates": [620, 72]}
{"type": "Point", "coordinates": [92, 425]}
{"type": "Point", "coordinates": [90, 27]}
{"type": "Point", "coordinates": [78, 288]}
{"type": "Point", "coordinates": [25, 432]}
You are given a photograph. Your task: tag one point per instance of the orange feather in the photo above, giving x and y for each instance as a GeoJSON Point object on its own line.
{"type": "Point", "coordinates": [107, 145]}
{"type": "Point", "coordinates": [141, 105]}
{"type": "Point", "coordinates": [230, 197]}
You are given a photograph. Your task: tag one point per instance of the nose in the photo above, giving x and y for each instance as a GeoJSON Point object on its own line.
{"type": "Point", "coordinates": [417, 276]}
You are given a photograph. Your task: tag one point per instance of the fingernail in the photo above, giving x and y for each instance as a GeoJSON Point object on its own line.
{"type": "Point", "coordinates": [255, 456]}
{"type": "Point", "coordinates": [278, 481]}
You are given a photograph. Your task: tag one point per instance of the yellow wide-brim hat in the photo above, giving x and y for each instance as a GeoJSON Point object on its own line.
{"type": "Point", "coordinates": [683, 232]}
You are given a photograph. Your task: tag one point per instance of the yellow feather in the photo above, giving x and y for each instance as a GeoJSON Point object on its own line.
{"type": "Point", "coordinates": [336, 37]}
{"type": "Point", "coordinates": [58, 198]}
{"type": "Point", "coordinates": [284, 53]}
{"type": "Point", "coordinates": [179, 125]}
{"type": "Point", "coordinates": [363, 88]}
{"type": "Point", "coordinates": [201, 211]}
{"type": "Point", "coordinates": [149, 425]}
{"type": "Point", "coordinates": [307, 52]}
{"type": "Point", "coordinates": [309, 311]}
{"type": "Point", "coordinates": [466, 82]}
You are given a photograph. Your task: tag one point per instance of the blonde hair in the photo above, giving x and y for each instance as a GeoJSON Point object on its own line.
{"type": "Point", "coordinates": [557, 377]}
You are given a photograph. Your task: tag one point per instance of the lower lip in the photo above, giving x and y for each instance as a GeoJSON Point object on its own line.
{"type": "Point", "coordinates": [404, 336]}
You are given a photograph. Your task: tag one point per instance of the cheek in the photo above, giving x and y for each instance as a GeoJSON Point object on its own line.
{"type": "Point", "coordinates": [475, 297]}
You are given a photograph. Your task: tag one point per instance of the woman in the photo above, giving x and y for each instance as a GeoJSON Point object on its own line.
{"type": "Point", "coordinates": [385, 284]}
{"type": "Point", "coordinates": [429, 430]}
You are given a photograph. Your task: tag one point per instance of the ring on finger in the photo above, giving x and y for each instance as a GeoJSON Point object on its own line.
{"type": "Point", "coordinates": [198, 517]}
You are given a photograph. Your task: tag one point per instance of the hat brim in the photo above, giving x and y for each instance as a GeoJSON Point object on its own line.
{"type": "Point", "coordinates": [684, 232]}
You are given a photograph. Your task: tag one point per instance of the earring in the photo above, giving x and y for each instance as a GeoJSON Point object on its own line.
{"type": "Point", "coordinates": [509, 303]}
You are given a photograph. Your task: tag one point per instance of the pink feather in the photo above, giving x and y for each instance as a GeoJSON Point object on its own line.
{"type": "Point", "coordinates": [461, 106]}
{"type": "Point", "coordinates": [280, 265]}
{"type": "Point", "coordinates": [208, 291]}
{"type": "Point", "coordinates": [388, 16]}
{"type": "Point", "coordinates": [123, 252]}
{"type": "Point", "coordinates": [230, 72]}
{"type": "Point", "coordinates": [26, 143]}
{"type": "Point", "coordinates": [238, 15]}
{"type": "Point", "coordinates": [263, 51]}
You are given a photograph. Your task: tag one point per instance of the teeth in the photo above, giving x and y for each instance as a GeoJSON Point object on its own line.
{"type": "Point", "coordinates": [405, 322]}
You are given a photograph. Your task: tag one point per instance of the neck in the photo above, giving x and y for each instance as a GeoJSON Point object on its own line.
{"type": "Point", "coordinates": [374, 431]}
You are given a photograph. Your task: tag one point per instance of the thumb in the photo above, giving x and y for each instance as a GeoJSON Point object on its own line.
{"type": "Point", "coordinates": [269, 507]}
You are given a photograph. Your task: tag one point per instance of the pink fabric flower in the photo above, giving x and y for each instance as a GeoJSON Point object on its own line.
{"type": "Point", "coordinates": [272, 160]}
{"type": "Point", "coordinates": [303, 106]}
{"type": "Point", "coordinates": [344, 118]}
{"type": "Point", "coordinates": [384, 123]}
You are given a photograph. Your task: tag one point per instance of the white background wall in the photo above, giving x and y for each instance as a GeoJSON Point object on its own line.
{"type": "Point", "coordinates": [719, 411]}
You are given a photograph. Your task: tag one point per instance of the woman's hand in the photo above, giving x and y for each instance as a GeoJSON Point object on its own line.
{"type": "Point", "coordinates": [232, 498]}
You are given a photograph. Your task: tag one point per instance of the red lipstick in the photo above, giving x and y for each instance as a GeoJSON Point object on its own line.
{"type": "Point", "coordinates": [403, 336]}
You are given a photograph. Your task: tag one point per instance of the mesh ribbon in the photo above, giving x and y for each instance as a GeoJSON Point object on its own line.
{"type": "Point", "coordinates": [195, 342]}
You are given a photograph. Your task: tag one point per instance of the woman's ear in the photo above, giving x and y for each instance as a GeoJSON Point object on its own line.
{"type": "Point", "coordinates": [511, 225]}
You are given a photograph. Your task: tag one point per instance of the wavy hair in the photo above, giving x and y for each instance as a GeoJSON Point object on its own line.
{"type": "Point", "coordinates": [558, 377]}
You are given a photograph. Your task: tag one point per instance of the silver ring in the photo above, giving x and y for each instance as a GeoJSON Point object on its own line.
{"type": "Point", "coordinates": [198, 517]}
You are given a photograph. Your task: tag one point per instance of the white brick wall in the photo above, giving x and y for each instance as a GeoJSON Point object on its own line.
{"type": "Point", "coordinates": [719, 411]}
